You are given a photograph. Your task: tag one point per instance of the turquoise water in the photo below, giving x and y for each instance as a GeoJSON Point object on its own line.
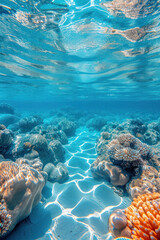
{"type": "Point", "coordinates": [92, 65]}
{"type": "Point", "coordinates": [78, 208]}
{"type": "Point", "coordinates": [62, 50]}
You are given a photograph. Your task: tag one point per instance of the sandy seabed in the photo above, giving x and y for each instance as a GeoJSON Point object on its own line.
{"type": "Point", "coordinates": [77, 209]}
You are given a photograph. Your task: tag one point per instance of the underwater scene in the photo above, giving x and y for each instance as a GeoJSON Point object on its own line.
{"type": "Point", "coordinates": [80, 119]}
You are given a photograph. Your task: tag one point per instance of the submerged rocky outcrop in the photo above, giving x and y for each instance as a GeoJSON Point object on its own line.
{"type": "Point", "coordinates": [128, 163]}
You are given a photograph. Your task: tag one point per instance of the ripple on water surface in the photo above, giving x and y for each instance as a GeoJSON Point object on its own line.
{"type": "Point", "coordinates": [79, 50]}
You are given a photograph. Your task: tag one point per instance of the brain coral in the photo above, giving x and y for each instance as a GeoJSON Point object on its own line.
{"type": "Point", "coordinates": [141, 220]}
{"type": "Point", "coordinates": [129, 146]}
{"type": "Point", "coordinates": [121, 159]}
{"type": "Point", "coordinates": [20, 191]}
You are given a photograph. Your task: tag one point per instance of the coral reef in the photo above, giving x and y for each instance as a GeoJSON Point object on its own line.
{"type": "Point", "coordinates": [52, 152]}
{"type": "Point", "coordinates": [141, 220]}
{"type": "Point", "coordinates": [36, 163]}
{"type": "Point", "coordinates": [145, 131]}
{"type": "Point", "coordinates": [8, 119]}
{"type": "Point", "coordinates": [2, 126]}
{"type": "Point", "coordinates": [151, 137]}
{"type": "Point", "coordinates": [96, 123]}
{"type": "Point", "coordinates": [19, 147]}
{"type": "Point", "coordinates": [102, 143]}
{"type": "Point", "coordinates": [121, 159]}
{"type": "Point", "coordinates": [100, 168]}
{"type": "Point", "coordinates": [6, 137]}
{"type": "Point", "coordinates": [39, 142]}
{"type": "Point", "coordinates": [57, 173]}
{"type": "Point", "coordinates": [20, 191]}
{"type": "Point", "coordinates": [148, 182]}
{"type": "Point", "coordinates": [36, 148]}
{"type": "Point", "coordinates": [28, 123]}
{"type": "Point", "coordinates": [58, 150]}
{"type": "Point", "coordinates": [31, 155]}
{"type": "Point", "coordinates": [136, 126]}
{"type": "Point", "coordinates": [68, 127]}
{"type": "Point", "coordinates": [50, 132]}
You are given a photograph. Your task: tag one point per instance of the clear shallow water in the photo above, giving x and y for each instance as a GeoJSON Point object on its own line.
{"type": "Point", "coordinates": [95, 56]}
{"type": "Point", "coordinates": [78, 209]}
{"type": "Point", "coordinates": [78, 49]}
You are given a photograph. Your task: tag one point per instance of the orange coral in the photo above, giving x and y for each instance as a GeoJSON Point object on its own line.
{"type": "Point", "coordinates": [143, 217]}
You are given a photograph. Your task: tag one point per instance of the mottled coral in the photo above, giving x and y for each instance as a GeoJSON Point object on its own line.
{"type": "Point", "coordinates": [50, 132]}
{"type": "Point", "coordinates": [58, 151]}
{"type": "Point", "coordinates": [125, 152]}
{"type": "Point", "coordinates": [2, 127]}
{"type": "Point", "coordinates": [143, 219]}
{"type": "Point", "coordinates": [19, 147]}
{"type": "Point", "coordinates": [5, 220]}
{"type": "Point", "coordinates": [136, 126]}
{"type": "Point", "coordinates": [20, 191]}
{"type": "Point", "coordinates": [5, 140]}
{"type": "Point", "coordinates": [28, 123]}
{"type": "Point", "coordinates": [125, 157]}
{"type": "Point", "coordinates": [57, 173]}
{"type": "Point", "coordinates": [36, 163]}
{"type": "Point", "coordinates": [39, 142]}
{"type": "Point", "coordinates": [148, 182]}
{"type": "Point", "coordinates": [102, 143]}
{"type": "Point", "coordinates": [151, 137]}
{"type": "Point", "coordinates": [67, 126]}
{"type": "Point", "coordinates": [122, 161]}
{"type": "Point", "coordinates": [127, 147]}
{"type": "Point", "coordinates": [53, 152]}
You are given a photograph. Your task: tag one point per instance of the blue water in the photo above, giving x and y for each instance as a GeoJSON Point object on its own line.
{"type": "Point", "coordinates": [78, 60]}
{"type": "Point", "coordinates": [67, 50]}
